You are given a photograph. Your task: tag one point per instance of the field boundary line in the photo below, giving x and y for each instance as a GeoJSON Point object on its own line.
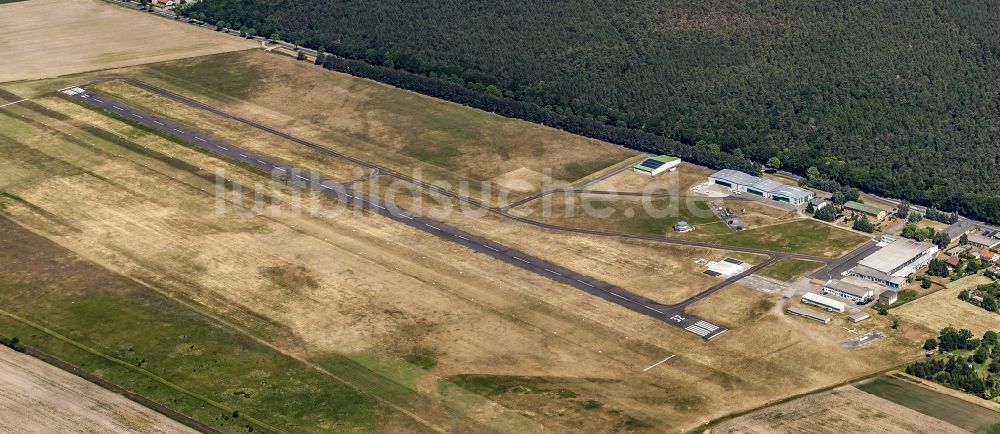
{"type": "Point", "coordinates": [132, 395]}
{"type": "Point", "coordinates": [129, 366]}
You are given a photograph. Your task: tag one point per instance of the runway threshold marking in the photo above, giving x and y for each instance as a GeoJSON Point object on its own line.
{"type": "Point", "coordinates": [658, 363]}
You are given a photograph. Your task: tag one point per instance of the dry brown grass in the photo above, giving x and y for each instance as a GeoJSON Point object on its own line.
{"type": "Point", "coordinates": [398, 129]}
{"type": "Point", "coordinates": [678, 181]}
{"type": "Point", "coordinates": [842, 410]}
{"type": "Point", "coordinates": [409, 305]}
{"type": "Point", "coordinates": [943, 309]}
{"type": "Point", "coordinates": [48, 399]}
{"type": "Point", "coordinates": [48, 38]}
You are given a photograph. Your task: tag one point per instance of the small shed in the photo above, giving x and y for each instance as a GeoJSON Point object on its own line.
{"type": "Point", "coordinates": [888, 297]}
{"type": "Point", "coordinates": [858, 317]}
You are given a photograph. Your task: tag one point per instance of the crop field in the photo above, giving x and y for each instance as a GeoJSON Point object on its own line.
{"type": "Point", "coordinates": [48, 399]}
{"type": "Point", "coordinates": [48, 38]}
{"type": "Point", "coordinates": [956, 411]}
{"type": "Point", "coordinates": [842, 410]}
{"type": "Point", "coordinates": [417, 331]}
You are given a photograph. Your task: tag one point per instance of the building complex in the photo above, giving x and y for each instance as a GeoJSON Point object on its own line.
{"type": "Point", "coordinates": [891, 264]}
{"type": "Point", "coordinates": [741, 182]}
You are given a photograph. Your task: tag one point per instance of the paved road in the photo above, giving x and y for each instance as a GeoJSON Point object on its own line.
{"type": "Point", "coordinates": [833, 269]}
{"type": "Point", "coordinates": [670, 314]}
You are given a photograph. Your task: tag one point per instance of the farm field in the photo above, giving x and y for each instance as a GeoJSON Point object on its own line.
{"type": "Point", "coordinates": [956, 411]}
{"type": "Point", "coordinates": [238, 291]}
{"type": "Point", "coordinates": [49, 38]}
{"type": "Point", "coordinates": [48, 399]}
{"type": "Point", "coordinates": [844, 409]}
{"type": "Point", "coordinates": [841, 410]}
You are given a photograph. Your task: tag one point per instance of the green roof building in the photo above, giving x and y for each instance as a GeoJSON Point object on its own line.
{"type": "Point", "coordinates": [653, 166]}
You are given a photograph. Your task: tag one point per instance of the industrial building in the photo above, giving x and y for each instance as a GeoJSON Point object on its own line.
{"type": "Point", "coordinates": [653, 166]}
{"type": "Point", "coordinates": [823, 302]}
{"type": "Point", "coordinates": [891, 264]}
{"type": "Point", "coordinates": [741, 182]}
{"type": "Point", "coordinates": [806, 313]}
{"type": "Point", "coordinates": [852, 208]}
{"type": "Point", "coordinates": [850, 291]}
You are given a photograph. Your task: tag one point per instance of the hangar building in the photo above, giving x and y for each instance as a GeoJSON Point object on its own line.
{"type": "Point", "coordinates": [891, 264]}
{"type": "Point", "coordinates": [739, 181]}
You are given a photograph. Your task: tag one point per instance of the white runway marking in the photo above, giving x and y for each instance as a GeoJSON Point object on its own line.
{"type": "Point", "coordinates": [585, 283]}
{"type": "Point", "coordinates": [116, 107]}
{"type": "Point", "coordinates": [520, 259]}
{"type": "Point", "coordinates": [199, 139]}
{"type": "Point", "coordinates": [15, 102]}
{"type": "Point", "coordinates": [491, 248]}
{"type": "Point", "coordinates": [466, 239]}
{"type": "Point", "coordinates": [222, 147]}
{"type": "Point", "coordinates": [133, 114]}
{"type": "Point", "coordinates": [553, 272]}
{"type": "Point", "coordinates": [432, 226]}
{"type": "Point", "coordinates": [179, 131]}
{"type": "Point", "coordinates": [658, 363]}
{"type": "Point", "coordinates": [244, 155]}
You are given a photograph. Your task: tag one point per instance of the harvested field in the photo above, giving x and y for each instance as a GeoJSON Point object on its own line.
{"type": "Point", "coordinates": [49, 38]}
{"type": "Point", "coordinates": [37, 397]}
{"type": "Point", "coordinates": [842, 410]}
{"type": "Point", "coordinates": [957, 411]}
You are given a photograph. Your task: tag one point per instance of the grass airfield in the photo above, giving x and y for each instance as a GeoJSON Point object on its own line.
{"type": "Point", "coordinates": [351, 322]}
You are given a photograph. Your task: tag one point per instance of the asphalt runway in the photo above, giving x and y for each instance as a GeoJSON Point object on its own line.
{"type": "Point", "coordinates": [670, 314]}
{"type": "Point", "coordinates": [833, 269]}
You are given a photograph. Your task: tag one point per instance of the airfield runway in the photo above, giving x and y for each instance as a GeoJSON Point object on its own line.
{"type": "Point", "coordinates": [670, 314]}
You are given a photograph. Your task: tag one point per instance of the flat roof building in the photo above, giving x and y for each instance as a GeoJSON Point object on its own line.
{"type": "Point", "coordinates": [653, 166]}
{"type": "Point", "coordinates": [891, 264]}
{"type": "Point", "coordinates": [984, 242]}
{"type": "Point", "coordinates": [806, 313]}
{"type": "Point", "coordinates": [742, 182]}
{"type": "Point", "coordinates": [858, 317]}
{"type": "Point", "coordinates": [823, 302]}
{"type": "Point", "coordinates": [850, 291]}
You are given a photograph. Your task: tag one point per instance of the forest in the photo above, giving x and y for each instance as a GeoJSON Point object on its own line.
{"type": "Point", "coordinates": [896, 98]}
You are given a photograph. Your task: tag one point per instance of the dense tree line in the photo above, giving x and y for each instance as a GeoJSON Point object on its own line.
{"type": "Point", "coordinates": [896, 98]}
